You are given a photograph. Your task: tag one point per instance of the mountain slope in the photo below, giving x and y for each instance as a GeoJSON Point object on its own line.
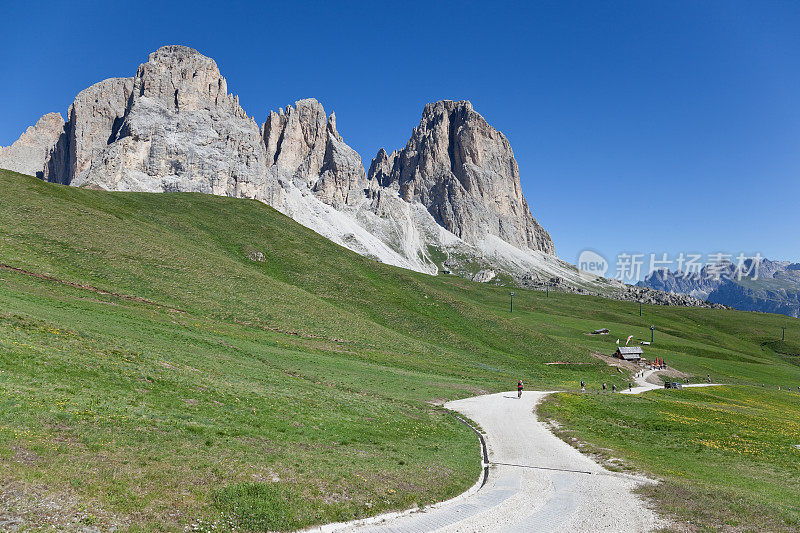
{"type": "Point", "coordinates": [464, 172]}
{"type": "Point", "coordinates": [158, 368]}
{"type": "Point", "coordinates": [173, 126]}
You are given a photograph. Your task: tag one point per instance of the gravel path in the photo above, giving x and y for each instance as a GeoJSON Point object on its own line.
{"type": "Point", "coordinates": [536, 482]}
{"type": "Point", "coordinates": [642, 385]}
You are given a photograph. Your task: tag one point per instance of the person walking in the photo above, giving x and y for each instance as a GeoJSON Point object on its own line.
{"type": "Point", "coordinates": [519, 389]}
{"type": "Point", "coordinates": [604, 386]}
{"type": "Point", "coordinates": [613, 388]}
{"type": "Point", "coordinates": [630, 387]}
{"type": "Point", "coordinates": [583, 386]}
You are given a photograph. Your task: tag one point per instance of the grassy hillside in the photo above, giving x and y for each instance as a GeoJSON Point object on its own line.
{"type": "Point", "coordinates": [727, 455]}
{"type": "Point", "coordinates": [178, 359]}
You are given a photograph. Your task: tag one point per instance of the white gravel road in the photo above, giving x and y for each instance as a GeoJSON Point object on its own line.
{"type": "Point", "coordinates": [642, 385]}
{"type": "Point", "coordinates": [536, 482]}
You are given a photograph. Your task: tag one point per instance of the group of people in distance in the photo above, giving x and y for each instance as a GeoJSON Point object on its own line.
{"type": "Point", "coordinates": [605, 387]}
{"type": "Point", "coordinates": [521, 386]}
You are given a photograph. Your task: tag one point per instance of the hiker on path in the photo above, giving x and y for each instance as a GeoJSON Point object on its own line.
{"type": "Point", "coordinates": [613, 388]}
{"type": "Point", "coordinates": [630, 387]}
{"type": "Point", "coordinates": [583, 386]}
{"type": "Point", "coordinates": [519, 389]}
{"type": "Point", "coordinates": [604, 386]}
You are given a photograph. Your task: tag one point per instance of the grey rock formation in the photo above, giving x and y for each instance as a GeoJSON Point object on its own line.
{"type": "Point", "coordinates": [380, 170]}
{"type": "Point", "coordinates": [172, 127]}
{"type": "Point", "coordinates": [92, 122]}
{"type": "Point", "coordinates": [304, 148]}
{"type": "Point", "coordinates": [464, 172]}
{"type": "Point", "coordinates": [30, 153]}
{"type": "Point", "coordinates": [181, 131]}
{"type": "Point", "coordinates": [484, 276]}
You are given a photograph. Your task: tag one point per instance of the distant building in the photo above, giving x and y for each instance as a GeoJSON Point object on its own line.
{"type": "Point", "coordinates": [629, 353]}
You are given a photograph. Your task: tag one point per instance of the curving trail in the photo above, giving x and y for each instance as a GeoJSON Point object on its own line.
{"type": "Point", "coordinates": [642, 385]}
{"type": "Point", "coordinates": [536, 482]}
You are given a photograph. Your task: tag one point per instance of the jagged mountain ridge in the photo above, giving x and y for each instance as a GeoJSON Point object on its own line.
{"type": "Point", "coordinates": [464, 172]}
{"type": "Point", "coordinates": [34, 148]}
{"type": "Point", "coordinates": [449, 201]}
{"type": "Point", "coordinates": [769, 287]}
{"type": "Point", "coordinates": [174, 127]}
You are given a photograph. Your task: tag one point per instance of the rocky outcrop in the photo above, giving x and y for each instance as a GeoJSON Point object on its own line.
{"type": "Point", "coordinates": [305, 149]}
{"type": "Point", "coordinates": [484, 276]}
{"type": "Point", "coordinates": [464, 172]}
{"type": "Point", "coordinates": [30, 153]}
{"type": "Point", "coordinates": [172, 127]}
{"type": "Point", "coordinates": [93, 120]}
{"type": "Point", "coordinates": [380, 170]}
{"type": "Point", "coordinates": [181, 131]}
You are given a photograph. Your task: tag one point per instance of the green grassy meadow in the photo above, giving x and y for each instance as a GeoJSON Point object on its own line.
{"type": "Point", "coordinates": [154, 377]}
{"type": "Point", "coordinates": [727, 455]}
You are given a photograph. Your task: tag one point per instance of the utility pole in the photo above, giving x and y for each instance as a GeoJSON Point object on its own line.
{"type": "Point", "coordinates": [640, 308]}
{"type": "Point", "coordinates": [652, 333]}
{"type": "Point", "coordinates": [512, 302]}
{"type": "Point", "coordinates": [783, 333]}
{"type": "Point", "coordinates": [548, 291]}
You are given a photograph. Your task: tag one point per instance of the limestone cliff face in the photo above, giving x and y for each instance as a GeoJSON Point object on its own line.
{"type": "Point", "coordinates": [34, 148]}
{"type": "Point", "coordinates": [181, 131]}
{"type": "Point", "coordinates": [305, 149]}
{"type": "Point", "coordinates": [172, 127]}
{"type": "Point", "coordinates": [93, 120]}
{"type": "Point", "coordinates": [464, 172]}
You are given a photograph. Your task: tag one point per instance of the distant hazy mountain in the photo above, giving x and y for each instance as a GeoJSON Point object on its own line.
{"type": "Point", "coordinates": [768, 286]}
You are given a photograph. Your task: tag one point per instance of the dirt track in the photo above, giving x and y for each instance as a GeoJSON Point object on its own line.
{"type": "Point", "coordinates": [536, 482]}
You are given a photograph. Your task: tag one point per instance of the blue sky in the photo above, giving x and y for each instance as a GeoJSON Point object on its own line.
{"type": "Point", "coordinates": [659, 127]}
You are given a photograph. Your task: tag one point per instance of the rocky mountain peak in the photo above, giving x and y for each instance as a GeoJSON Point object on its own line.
{"type": "Point", "coordinates": [306, 149]}
{"type": "Point", "coordinates": [464, 172]}
{"type": "Point", "coordinates": [295, 140]}
{"type": "Point", "coordinates": [380, 169]}
{"type": "Point", "coordinates": [185, 80]}
{"type": "Point", "coordinates": [332, 125]}
{"type": "Point", "coordinates": [49, 124]}
{"type": "Point", "coordinates": [30, 153]}
{"type": "Point", "coordinates": [93, 120]}
{"type": "Point", "coordinates": [173, 126]}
